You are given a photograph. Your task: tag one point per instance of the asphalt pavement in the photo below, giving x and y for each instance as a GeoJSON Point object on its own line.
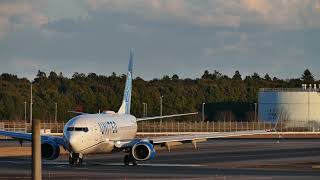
{"type": "Point", "coordinates": [216, 159]}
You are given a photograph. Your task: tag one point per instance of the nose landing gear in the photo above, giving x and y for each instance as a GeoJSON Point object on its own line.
{"type": "Point", "coordinates": [75, 159]}
{"type": "Point", "coordinates": [129, 159]}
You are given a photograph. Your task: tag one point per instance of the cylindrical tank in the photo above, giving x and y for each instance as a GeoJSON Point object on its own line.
{"type": "Point", "coordinates": [290, 106]}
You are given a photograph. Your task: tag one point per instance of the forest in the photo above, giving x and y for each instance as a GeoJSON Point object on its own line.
{"type": "Point", "coordinates": [93, 93]}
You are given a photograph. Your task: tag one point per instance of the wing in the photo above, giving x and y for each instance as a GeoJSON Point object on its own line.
{"type": "Point", "coordinates": [181, 139]}
{"type": "Point", "coordinates": [28, 137]}
{"type": "Point", "coordinates": [167, 116]}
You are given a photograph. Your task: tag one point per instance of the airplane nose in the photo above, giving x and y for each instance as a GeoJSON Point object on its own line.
{"type": "Point", "coordinates": [74, 143]}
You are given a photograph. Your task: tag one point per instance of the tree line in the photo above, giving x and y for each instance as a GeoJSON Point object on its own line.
{"type": "Point", "coordinates": [91, 93]}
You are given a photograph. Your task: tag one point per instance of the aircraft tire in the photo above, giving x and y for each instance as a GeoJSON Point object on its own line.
{"type": "Point", "coordinates": [134, 163]}
{"type": "Point", "coordinates": [75, 160]}
{"type": "Point", "coordinates": [126, 160]}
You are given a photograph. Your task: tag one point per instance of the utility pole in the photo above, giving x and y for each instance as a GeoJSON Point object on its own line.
{"type": "Point", "coordinates": [36, 150]}
{"type": "Point", "coordinates": [144, 109]}
{"type": "Point", "coordinates": [31, 104]}
{"type": "Point", "coordinates": [203, 111]}
{"type": "Point", "coordinates": [25, 112]}
{"type": "Point", "coordinates": [56, 112]}
{"type": "Point", "coordinates": [255, 112]}
{"type": "Point", "coordinates": [161, 111]}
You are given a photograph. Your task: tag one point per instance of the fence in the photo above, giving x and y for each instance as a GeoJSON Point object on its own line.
{"type": "Point", "coordinates": [180, 126]}
{"type": "Point", "coordinates": [19, 126]}
{"type": "Point", "coordinates": [199, 126]}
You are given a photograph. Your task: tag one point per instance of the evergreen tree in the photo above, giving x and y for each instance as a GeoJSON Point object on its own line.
{"type": "Point", "coordinates": [206, 75]}
{"type": "Point", "coordinates": [93, 92]}
{"type": "Point", "coordinates": [307, 77]}
{"type": "Point", "coordinates": [256, 77]}
{"type": "Point", "coordinates": [175, 77]}
{"type": "Point", "coordinates": [267, 77]}
{"type": "Point", "coordinates": [237, 76]}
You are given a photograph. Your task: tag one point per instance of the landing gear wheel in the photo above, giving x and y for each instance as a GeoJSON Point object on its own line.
{"type": "Point", "coordinates": [75, 159]}
{"type": "Point", "coordinates": [134, 163]}
{"type": "Point", "coordinates": [126, 160]}
{"type": "Point", "coordinates": [129, 159]}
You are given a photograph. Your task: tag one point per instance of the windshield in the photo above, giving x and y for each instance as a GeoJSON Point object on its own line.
{"type": "Point", "coordinates": [84, 129]}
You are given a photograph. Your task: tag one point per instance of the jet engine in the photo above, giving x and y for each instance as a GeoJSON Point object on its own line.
{"type": "Point", "coordinates": [143, 151]}
{"type": "Point", "coordinates": [50, 150]}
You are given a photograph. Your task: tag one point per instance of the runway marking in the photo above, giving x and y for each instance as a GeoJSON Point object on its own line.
{"type": "Point", "coordinates": [46, 162]}
{"type": "Point", "coordinates": [77, 168]}
{"type": "Point", "coordinates": [22, 177]}
{"type": "Point", "coordinates": [154, 165]}
{"type": "Point", "coordinates": [15, 162]}
{"type": "Point", "coordinates": [66, 164]}
{"type": "Point", "coordinates": [316, 167]}
{"type": "Point", "coordinates": [56, 163]}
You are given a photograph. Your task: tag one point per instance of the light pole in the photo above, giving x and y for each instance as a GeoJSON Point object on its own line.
{"type": "Point", "coordinates": [161, 111]}
{"type": "Point", "coordinates": [25, 112]}
{"type": "Point", "coordinates": [203, 111]}
{"type": "Point", "coordinates": [55, 112]}
{"type": "Point", "coordinates": [31, 104]}
{"type": "Point", "coordinates": [255, 112]}
{"type": "Point", "coordinates": [144, 109]}
{"type": "Point", "coordinates": [161, 105]}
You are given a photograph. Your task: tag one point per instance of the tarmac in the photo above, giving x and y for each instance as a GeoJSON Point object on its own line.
{"type": "Point", "coordinates": [215, 159]}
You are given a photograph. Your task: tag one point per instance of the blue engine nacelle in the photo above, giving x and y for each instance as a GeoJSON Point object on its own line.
{"type": "Point", "coordinates": [50, 150]}
{"type": "Point", "coordinates": [143, 151]}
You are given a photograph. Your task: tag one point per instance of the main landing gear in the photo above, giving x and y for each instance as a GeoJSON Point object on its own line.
{"type": "Point", "coordinates": [75, 159]}
{"type": "Point", "coordinates": [128, 158]}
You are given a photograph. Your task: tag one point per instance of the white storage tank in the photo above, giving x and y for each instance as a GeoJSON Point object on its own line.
{"type": "Point", "coordinates": [293, 106]}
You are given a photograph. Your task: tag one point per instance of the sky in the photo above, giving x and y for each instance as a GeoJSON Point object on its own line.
{"type": "Point", "coordinates": [184, 37]}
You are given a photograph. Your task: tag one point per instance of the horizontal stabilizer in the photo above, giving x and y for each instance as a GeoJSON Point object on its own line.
{"type": "Point", "coordinates": [77, 112]}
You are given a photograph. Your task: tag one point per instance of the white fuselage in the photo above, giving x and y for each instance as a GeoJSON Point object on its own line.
{"type": "Point", "coordinates": [97, 133]}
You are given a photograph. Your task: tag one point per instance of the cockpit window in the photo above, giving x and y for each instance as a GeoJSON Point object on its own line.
{"type": "Point", "coordinates": [84, 129]}
{"type": "Point", "coordinates": [70, 129]}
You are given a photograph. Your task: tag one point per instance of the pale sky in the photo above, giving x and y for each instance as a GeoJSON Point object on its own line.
{"type": "Point", "coordinates": [186, 37]}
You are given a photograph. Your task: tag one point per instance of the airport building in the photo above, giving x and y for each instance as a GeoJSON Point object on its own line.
{"type": "Point", "coordinates": [297, 107]}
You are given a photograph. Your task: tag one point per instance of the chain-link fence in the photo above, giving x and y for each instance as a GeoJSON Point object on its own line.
{"type": "Point", "coordinates": [206, 126]}
{"type": "Point", "coordinates": [19, 126]}
{"type": "Point", "coordinates": [179, 126]}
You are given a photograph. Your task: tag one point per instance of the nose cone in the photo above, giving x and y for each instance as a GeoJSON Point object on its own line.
{"type": "Point", "coordinates": [74, 139]}
{"type": "Point", "coordinates": [74, 143]}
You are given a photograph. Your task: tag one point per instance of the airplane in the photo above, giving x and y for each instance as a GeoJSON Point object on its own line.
{"type": "Point", "coordinates": [110, 132]}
